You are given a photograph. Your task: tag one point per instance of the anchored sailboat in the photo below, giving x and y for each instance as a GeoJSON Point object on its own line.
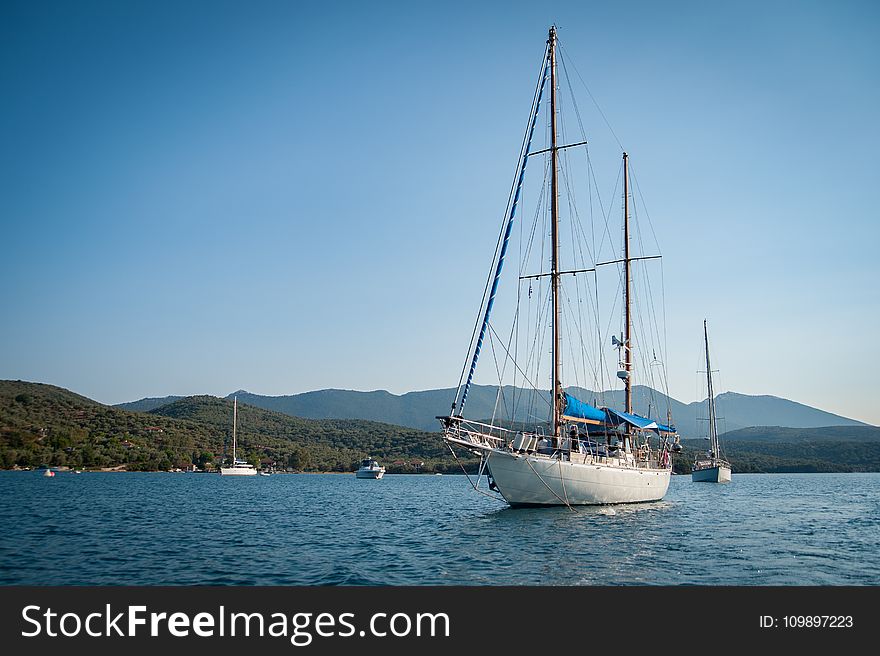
{"type": "Point", "coordinates": [587, 454]}
{"type": "Point", "coordinates": [239, 467]}
{"type": "Point", "coordinates": [712, 467]}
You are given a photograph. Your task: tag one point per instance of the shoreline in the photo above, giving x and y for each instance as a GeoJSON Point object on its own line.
{"type": "Point", "coordinates": [123, 470]}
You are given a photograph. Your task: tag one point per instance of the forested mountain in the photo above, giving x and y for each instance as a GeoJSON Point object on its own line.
{"type": "Point", "coordinates": [47, 425]}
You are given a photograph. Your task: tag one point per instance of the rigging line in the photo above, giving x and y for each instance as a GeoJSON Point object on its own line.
{"type": "Point", "coordinates": [464, 471]}
{"type": "Point", "coordinates": [574, 217]}
{"type": "Point", "coordinates": [512, 342]}
{"type": "Point", "coordinates": [545, 214]}
{"type": "Point", "coordinates": [538, 209]}
{"type": "Point", "coordinates": [508, 358]}
{"type": "Point", "coordinates": [574, 104]}
{"type": "Point", "coordinates": [586, 360]}
{"type": "Point", "coordinates": [665, 338]}
{"type": "Point", "coordinates": [607, 214]}
{"type": "Point", "coordinates": [577, 319]}
{"type": "Point", "coordinates": [654, 323]}
{"type": "Point", "coordinates": [524, 326]}
{"type": "Point", "coordinates": [578, 235]}
{"type": "Point", "coordinates": [590, 198]}
{"type": "Point", "coordinates": [501, 246]}
{"type": "Point", "coordinates": [644, 281]}
{"type": "Point", "coordinates": [583, 134]}
{"type": "Point", "coordinates": [589, 164]}
{"type": "Point", "coordinates": [589, 93]}
{"type": "Point", "coordinates": [603, 364]}
{"type": "Point", "coordinates": [515, 327]}
{"type": "Point", "coordinates": [645, 207]}
{"type": "Point", "coordinates": [566, 307]}
{"type": "Point", "coordinates": [525, 377]}
{"type": "Point", "coordinates": [537, 348]}
{"type": "Point", "coordinates": [552, 491]}
{"type": "Point", "coordinates": [531, 351]}
{"type": "Point", "coordinates": [576, 224]}
{"type": "Point", "coordinates": [562, 476]}
{"type": "Point", "coordinates": [565, 358]}
{"type": "Point", "coordinates": [498, 394]}
{"type": "Point", "coordinates": [613, 312]}
{"type": "Point", "coordinates": [585, 352]}
{"type": "Point", "coordinates": [650, 393]}
{"type": "Point", "coordinates": [665, 343]}
{"type": "Point", "coordinates": [515, 330]}
{"type": "Point", "coordinates": [598, 373]}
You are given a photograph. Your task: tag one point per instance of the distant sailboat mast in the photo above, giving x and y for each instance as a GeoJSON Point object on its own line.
{"type": "Point", "coordinates": [238, 467]}
{"type": "Point", "coordinates": [234, 424]}
{"type": "Point", "coordinates": [713, 468]}
{"type": "Point", "coordinates": [713, 430]}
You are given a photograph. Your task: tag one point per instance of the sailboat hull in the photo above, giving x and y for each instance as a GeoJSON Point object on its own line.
{"type": "Point", "coordinates": [533, 481]}
{"type": "Point", "coordinates": [719, 474]}
{"type": "Point", "coordinates": [370, 473]}
{"type": "Point", "coordinates": [238, 471]}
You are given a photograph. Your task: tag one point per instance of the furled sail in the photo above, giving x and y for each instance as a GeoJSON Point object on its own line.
{"type": "Point", "coordinates": [617, 417]}
{"type": "Point", "coordinates": [576, 410]}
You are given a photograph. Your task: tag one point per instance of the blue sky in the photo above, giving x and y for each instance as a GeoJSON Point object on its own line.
{"type": "Point", "coordinates": [287, 196]}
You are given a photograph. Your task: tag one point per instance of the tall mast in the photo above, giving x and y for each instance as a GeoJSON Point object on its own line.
{"type": "Point", "coordinates": [554, 231]}
{"type": "Point", "coordinates": [713, 431]}
{"type": "Point", "coordinates": [234, 424]}
{"type": "Point", "coordinates": [627, 298]}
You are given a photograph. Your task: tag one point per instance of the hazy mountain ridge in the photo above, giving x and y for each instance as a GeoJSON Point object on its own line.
{"type": "Point", "coordinates": [419, 409]}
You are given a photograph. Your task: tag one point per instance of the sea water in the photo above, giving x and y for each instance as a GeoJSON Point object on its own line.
{"type": "Point", "coordinates": [311, 529]}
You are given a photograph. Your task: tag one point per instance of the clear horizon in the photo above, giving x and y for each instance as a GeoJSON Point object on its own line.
{"type": "Point", "coordinates": [216, 196]}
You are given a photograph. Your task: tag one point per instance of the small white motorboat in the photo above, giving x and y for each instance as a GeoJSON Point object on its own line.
{"type": "Point", "coordinates": [370, 469]}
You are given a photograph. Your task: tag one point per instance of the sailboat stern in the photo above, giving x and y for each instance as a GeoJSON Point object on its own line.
{"type": "Point", "coordinates": [717, 473]}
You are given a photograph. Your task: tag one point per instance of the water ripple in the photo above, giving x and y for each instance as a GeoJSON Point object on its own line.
{"type": "Point", "coordinates": [167, 529]}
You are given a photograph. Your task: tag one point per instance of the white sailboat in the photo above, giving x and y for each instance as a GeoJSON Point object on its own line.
{"type": "Point", "coordinates": [238, 467]}
{"type": "Point", "coordinates": [591, 455]}
{"type": "Point", "coordinates": [711, 467]}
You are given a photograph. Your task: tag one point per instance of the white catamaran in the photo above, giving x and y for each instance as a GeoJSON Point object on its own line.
{"type": "Point", "coordinates": [711, 467]}
{"type": "Point", "coordinates": [238, 467]}
{"type": "Point", "coordinates": [586, 454]}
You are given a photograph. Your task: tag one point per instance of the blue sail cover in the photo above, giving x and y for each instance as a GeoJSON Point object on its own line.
{"type": "Point", "coordinates": [616, 417]}
{"type": "Point", "coordinates": [576, 410]}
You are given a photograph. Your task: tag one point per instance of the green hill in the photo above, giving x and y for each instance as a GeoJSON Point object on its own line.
{"type": "Point", "coordinates": [804, 435]}
{"type": "Point", "coordinates": [46, 425]}
{"type": "Point", "coordinates": [334, 443]}
{"type": "Point", "coordinates": [771, 449]}
{"type": "Point", "coordinates": [145, 405]}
